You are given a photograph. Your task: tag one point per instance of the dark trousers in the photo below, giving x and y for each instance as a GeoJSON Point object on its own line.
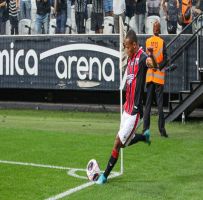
{"type": "Point", "coordinates": [14, 25]}
{"type": "Point", "coordinates": [158, 90]}
{"type": "Point", "coordinates": [2, 27]}
{"type": "Point", "coordinates": [79, 19]}
{"type": "Point", "coordinates": [188, 30]}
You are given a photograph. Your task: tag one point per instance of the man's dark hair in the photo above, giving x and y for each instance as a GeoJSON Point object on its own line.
{"type": "Point", "coordinates": [131, 35]}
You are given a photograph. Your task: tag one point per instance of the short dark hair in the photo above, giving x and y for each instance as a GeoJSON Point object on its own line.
{"type": "Point", "coordinates": [131, 35]}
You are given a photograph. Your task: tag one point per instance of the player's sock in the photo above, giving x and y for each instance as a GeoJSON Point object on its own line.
{"type": "Point", "coordinates": [112, 161]}
{"type": "Point", "coordinates": [137, 138]}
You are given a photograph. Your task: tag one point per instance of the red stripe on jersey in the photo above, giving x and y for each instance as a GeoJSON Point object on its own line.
{"type": "Point", "coordinates": [132, 70]}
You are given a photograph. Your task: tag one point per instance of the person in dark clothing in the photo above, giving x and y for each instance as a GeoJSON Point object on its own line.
{"type": "Point", "coordinates": [186, 9]}
{"type": "Point", "coordinates": [42, 16]}
{"type": "Point", "coordinates": [130, 8]}
{"type": "Point", "coordinates": [140, 12]}
{"type": "Point", "coordinates": [199, 10]}
{"type": "Point", "coordinates": [13, 16]}
{"type": "Point", "coordinates": [171, 12]}
{"type": "Point", "coordinates": [199, 7]}
{"type": "Point", "coordinates": [153, 7]}
{"type": "Point", "coordinates": [60, 7]}
{"type": "Point", "coordinates": [80, 15]}
{"type": "Point", "coordinates": [136, 72]}
{"type": "Point", "coordinates": [3, 16]}
{"type": "Point", "coordinates": [97, 16]}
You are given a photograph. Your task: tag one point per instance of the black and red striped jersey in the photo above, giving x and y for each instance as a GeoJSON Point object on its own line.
{"type": "Point", "coordinates": [136, 74]}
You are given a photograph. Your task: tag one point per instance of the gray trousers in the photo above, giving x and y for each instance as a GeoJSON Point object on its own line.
{"type": "Point", "coordinates": [139, 23]}
{"type": "Point", "coordinates": [116, 22]}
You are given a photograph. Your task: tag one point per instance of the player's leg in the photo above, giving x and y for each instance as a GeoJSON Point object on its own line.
{"type": "Point", "coordinates": [112, 161]}
{"type": "Point", "coordinates": [115, 152]}
{"type": "Point", "coordinates": [145, 137]}
{"type": "Point", "coordinates": [114, 156]}
{"type": "Point", "coordinates": [125, 134]}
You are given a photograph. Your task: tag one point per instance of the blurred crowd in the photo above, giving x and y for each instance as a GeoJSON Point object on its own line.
{"type": "Point", "coordinates": [95, 16]}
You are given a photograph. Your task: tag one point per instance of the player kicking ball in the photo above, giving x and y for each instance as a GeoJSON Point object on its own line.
{"type": "Point", "coordinates": [133, 107]}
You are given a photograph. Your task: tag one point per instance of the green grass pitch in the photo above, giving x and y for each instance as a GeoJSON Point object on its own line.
{"type": "Point", "coordinates": [168, 169]}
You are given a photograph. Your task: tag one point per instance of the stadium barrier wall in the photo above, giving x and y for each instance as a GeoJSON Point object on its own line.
{"type": "Point", "coordinates": [78, 62]}
{"type": "Point", "coordinates": [60, 62]}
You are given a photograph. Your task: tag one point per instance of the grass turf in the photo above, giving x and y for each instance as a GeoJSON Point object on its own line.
{"type": "Point", "coordinates": [170, 168]}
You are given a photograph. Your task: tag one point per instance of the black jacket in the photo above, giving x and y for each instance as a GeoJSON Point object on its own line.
{"type": "Point", "coordinates": [43, 7]}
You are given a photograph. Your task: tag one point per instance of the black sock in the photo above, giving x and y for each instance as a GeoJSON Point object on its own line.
{"type": "Point", "coordinates": [137, 138]}
{"type": "Point", "coordinates": [112, 161]}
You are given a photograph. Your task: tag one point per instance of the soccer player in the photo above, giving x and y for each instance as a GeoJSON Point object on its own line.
{"type": "Point", "coordinates": [133, 107]}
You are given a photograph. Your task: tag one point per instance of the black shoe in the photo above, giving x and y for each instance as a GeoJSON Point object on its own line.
{"type": "Point", "coordinates": [164, 134]}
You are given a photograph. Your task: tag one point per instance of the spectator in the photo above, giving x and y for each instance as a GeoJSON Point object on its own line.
{"type": "Point", "coordinates": [13, 16]}
{"type": "Point", "coordinates": [108, 7]}
{"type": "Point", "coordinates": [153, 14]}
{"type": "Point", "coordinates": [199, 10]}
{"type": "Point", "coordinates": [80, 15]}
{"type": "Point", "coordinates": [3, 17]}
{"type": "Point", "coordinates": [25, 9]}
{"type": "Point", "coordinates": [130, 8]}
{"type": "Point", "coordinates": [119, 8]}
{"type": "Point", "coordinates": [60, 8]}
{"type": "Point", "coordinates": [153, 7]}
{"type": "Point", "coordinates": [199, 7]}
{"type": "Point", "coordinates": [97, 16]}
{"type": "Point", "coordinates": [69, 3]}
{"type": "Point", "coordinates": [170, 8]}
{"type": "Point", "coordinates": [186, 9]}
{"type": "Point", "coordinates": [140, 12]}
{"type": "Point", "coordinates": [42, 16]}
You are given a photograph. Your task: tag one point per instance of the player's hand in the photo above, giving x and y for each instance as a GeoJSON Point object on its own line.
{"type": "Point", "coordinates": [135, 110]}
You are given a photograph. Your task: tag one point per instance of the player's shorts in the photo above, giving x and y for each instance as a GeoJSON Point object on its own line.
{"type": "Point", "coordinates": [128, 125]}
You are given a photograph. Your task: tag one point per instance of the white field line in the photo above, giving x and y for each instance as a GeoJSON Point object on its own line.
{"type": "Point", "coordinates": [71, 172]}
{"type": "Point", "coordinates": [78, 188]}
{"type": "Point", "coordinates": [36, 165]}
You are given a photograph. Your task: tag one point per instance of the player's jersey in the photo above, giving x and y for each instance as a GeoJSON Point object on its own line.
{"type": "Point", "coordinates": [136, 74]}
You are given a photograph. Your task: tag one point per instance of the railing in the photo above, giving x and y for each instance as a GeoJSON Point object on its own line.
{"type": "Point", "coordinates": [174, 54]}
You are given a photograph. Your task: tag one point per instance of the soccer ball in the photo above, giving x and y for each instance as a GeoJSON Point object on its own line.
{"type": "Point", "coordinates": [93, 170]}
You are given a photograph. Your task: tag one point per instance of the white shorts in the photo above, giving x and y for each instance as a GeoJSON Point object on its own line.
{"type": "Point", "coordinates": [128, 125]}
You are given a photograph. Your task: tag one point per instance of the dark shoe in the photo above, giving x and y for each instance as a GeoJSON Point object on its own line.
{"type": "Point", "coordinates": [164, 135]}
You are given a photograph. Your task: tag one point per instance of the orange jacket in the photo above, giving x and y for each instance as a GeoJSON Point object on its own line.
{"type": "Point", "coordinates": [156, 75]}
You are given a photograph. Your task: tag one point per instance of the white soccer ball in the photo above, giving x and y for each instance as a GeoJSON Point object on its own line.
{"type": "Point", "coordinates": [93, 170]}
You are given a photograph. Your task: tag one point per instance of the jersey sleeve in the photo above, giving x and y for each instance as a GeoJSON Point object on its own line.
{"type": "Point", "coordinates": [139, 90]}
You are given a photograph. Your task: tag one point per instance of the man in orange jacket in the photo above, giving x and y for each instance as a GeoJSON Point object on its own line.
{"type": "Point", "coordinates": [186, 9]}
{"type": "Point", "coordinates": [155, 78]}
